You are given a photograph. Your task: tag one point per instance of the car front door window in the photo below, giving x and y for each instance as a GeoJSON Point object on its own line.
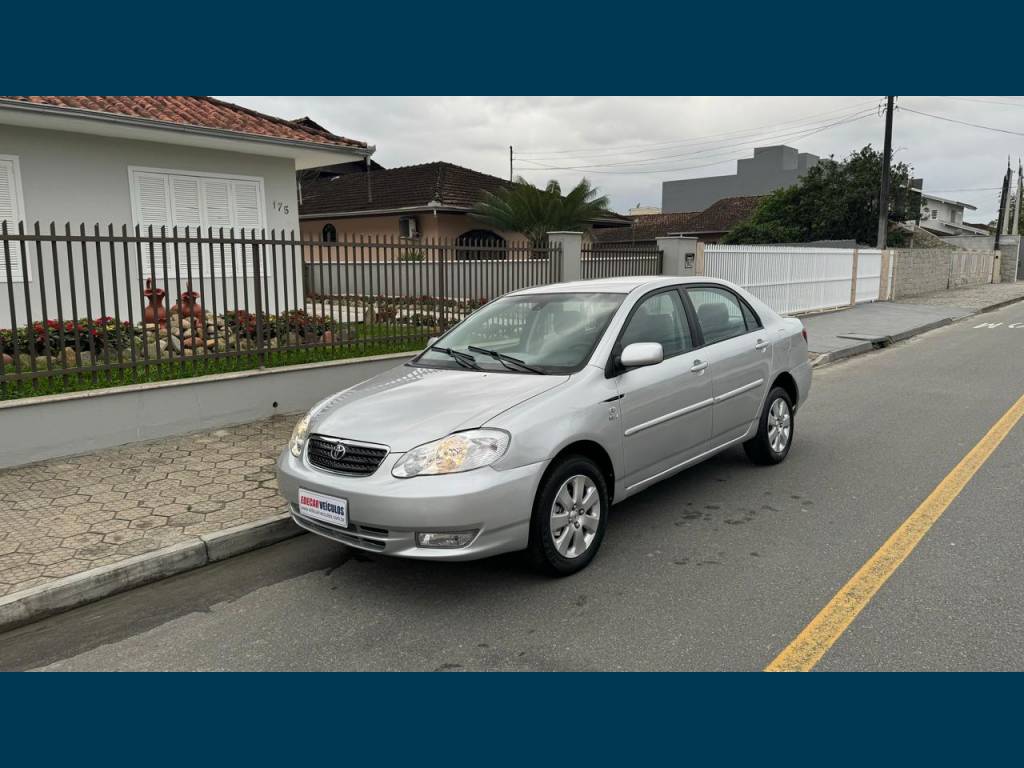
{"type": "Point", "coordinates": [660, 318]}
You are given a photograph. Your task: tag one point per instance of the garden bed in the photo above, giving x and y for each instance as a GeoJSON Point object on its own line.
{"type": "Point", "coordinates": [56, 357]}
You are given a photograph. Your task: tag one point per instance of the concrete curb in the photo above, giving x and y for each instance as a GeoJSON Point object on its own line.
{"type": "Point", "coordinates": [999, 305]}
{"type": "Point", "coordinates": [826, 358]}
{"type": "Point", "coordinates": [64, 594]}
{"type": "Point", "coordinates": [881, 342]}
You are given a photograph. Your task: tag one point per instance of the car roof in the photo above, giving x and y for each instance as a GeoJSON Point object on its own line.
{"type": "Point", "coordinates": [612, 284]}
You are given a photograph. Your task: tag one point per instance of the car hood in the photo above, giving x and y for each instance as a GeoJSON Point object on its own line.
{"type": "Point", "coordinates": [410, 405]}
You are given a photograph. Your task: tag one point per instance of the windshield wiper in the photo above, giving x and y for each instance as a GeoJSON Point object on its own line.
{"type": "Point", "coordinates": [504, 359]}
{"type": "Point", "coordinates": [466, 361]}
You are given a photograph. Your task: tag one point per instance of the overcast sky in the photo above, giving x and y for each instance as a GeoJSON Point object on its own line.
{"type": "Point", "coordinates": [628, 145]}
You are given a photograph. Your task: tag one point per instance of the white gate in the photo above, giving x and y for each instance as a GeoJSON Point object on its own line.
{"type": "Point", "coordinates": [794, 279]}
{"type": "Point", "coordinates": [869, 275]}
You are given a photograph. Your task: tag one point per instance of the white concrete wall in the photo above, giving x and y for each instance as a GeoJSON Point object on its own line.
{"type": "Point", "coordinates": [41, 428]}
{"type": "Point", "coordinates": [84, 179]}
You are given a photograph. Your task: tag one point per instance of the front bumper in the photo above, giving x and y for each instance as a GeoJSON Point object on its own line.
{"type": "Point", "coordinates": [385, 512]}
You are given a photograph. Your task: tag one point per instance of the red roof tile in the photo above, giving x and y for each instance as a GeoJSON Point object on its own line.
{"type": "Point", "coordinates": [197, 111]}
{"type": "Point", "coordinates": [718, 217]}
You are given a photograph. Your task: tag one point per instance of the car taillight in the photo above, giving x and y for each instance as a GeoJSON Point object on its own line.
{"type": "Point", "coordinates": [803, 332]}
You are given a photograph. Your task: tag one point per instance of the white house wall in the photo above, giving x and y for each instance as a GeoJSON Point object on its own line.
{"type": "Point", "coordinates": [84, 179]}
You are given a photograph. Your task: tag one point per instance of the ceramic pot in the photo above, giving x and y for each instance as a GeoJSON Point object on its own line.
{"type": "Point", "coordinates": [155, 313]}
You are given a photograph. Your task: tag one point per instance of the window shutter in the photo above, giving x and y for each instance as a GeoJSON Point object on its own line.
{"type": "Point", "coordinates": [186, 214]}
{"type": "Point", "coordinates": [248, 215]}
{"type": "Point", "coordinates": [218, 204]}
{"type": "Point", "coordinates": [9, 212]}
{"type": "Point", "coordinates": [152, 202]}
{"type": "Point", "coordinates": [199, 202]}
{"type": "Point", "coordinates": [152, 209]}
{"type": "Point", "coordinates": [217, 207]}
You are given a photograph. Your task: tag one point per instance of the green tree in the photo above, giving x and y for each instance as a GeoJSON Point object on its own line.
{"type": "Point", "coordinates": [534, 212]}
{"type": "Point", "coordinates": [835, 200]}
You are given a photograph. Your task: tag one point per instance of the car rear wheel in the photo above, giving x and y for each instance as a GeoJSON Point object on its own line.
{"type": "Point", "coordinates": [775, 430]}
{"type": "Point", "coordinates": [569, 517]}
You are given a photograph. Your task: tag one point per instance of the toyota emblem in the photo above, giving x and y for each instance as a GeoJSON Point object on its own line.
{"type": "Point", "coordinates": [337, 451]}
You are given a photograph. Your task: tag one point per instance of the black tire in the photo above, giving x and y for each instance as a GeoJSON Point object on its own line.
{"type": "Point", "coordinates": [542, 550]}
{"type": "Point", "coordinates": [759, 448]}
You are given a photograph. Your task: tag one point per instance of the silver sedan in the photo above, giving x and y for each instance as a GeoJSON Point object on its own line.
{"type": "Point", "coordinates": [522, 425]}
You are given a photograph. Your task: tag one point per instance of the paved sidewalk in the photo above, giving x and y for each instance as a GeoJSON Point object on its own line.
{"type": "Point", "coordinates": [975, 298]}
{"type": "Point", "coordinates": [834, 335]}
{"type": "Point", "coordinates": [63, 517]}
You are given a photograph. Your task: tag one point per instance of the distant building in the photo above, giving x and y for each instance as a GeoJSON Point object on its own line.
{"type": "Point", "coordinates": [944, 217]}
{"type": "Point", "coordinates": [644, 210]}
{"type": "Point", "coordinates": [770, 168]}
{"type": "Point", "coordinates": [708, 225]}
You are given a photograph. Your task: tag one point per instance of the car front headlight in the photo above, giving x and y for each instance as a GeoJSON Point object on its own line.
{"type": "Point", "coordinates": [458, 452]}
{"type": "Point", "coordinates": [298, 439]}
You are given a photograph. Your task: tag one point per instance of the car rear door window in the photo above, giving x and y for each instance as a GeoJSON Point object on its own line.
{"type": "Point", "coordinates": [660, 318]}
{"type": "Point", "coordinates": [720, 314]}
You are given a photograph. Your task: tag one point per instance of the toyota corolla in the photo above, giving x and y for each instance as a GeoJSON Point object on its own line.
{"type": "Point", "coordinates": [523, 424]}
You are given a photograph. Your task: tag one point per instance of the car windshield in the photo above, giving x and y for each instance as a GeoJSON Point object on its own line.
{"type": "Point", "coordinates": [549, 333]}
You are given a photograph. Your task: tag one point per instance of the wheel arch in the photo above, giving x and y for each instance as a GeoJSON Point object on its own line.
{"type": "Point", "coordinates": [788, 383]}
{"type": "Point", "coordinates": [596, 453]}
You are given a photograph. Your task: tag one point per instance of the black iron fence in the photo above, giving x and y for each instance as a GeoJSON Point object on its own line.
{"type": "Point", "coordinates": [462, 270]}
{"type": "Point", "coordinates": [614, 261]}
{"type": "Point", "coordinates": [84, 308]}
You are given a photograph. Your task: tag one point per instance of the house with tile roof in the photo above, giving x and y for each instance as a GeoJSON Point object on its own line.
{"type": "Point", "coordinates": [708, 225]}
{"type": "Point", "coordinates": [411, 203]}
{"type": "Point", "coordinates": [157, 161]}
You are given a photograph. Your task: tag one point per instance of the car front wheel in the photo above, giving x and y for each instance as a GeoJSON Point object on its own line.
{"type": "Point", "coordinates": [570, 514]}
{"type": "Point", "coordinates": [774, 430]}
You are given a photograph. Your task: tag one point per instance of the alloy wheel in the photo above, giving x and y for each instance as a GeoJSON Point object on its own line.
{"type": "Point", "coordinates": [780, 425]}
{"type": "Point", "coordinates": [575, 516]}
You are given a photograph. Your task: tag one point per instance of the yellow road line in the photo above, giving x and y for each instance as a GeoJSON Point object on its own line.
{"type": "Point", "coordinates": [817, 637]}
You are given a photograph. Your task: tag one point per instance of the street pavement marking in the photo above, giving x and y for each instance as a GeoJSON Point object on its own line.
{"type": "Point", "coordinates": [817, 637]}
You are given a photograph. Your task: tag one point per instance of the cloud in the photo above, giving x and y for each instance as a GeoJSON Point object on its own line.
{"type": "Point", "coordinates": [691, 135]}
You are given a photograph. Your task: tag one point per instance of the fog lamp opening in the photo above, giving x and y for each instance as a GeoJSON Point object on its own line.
{"type": "Point", "coordinates": [446, 539]}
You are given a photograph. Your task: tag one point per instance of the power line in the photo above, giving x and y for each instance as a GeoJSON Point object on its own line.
{"type": "Point", "coordinates": [725, 149]}
{"type": "Point", "coordinates": [963, 122]}
{"type": "Point", "coordinates": [624, 149]}
{"type": "Point", "coordinates": [711, 152]}
{"type": "Point", "coordinates": [985, 101]}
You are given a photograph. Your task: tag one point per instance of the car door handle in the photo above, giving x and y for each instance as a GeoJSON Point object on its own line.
{"type": "Point", "coordinates": [698, 366]}
{"type": "Point", "coordinates": [761, 344]}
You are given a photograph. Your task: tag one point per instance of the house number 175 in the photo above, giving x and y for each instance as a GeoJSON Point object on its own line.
{"type": "Point", "coordinates": [280, 207]}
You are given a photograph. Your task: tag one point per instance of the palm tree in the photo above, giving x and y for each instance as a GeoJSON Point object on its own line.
{"type": "Point", "coordinates": [534, 212]}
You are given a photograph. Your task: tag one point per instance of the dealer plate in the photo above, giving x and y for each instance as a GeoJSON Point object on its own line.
{"type": "Point", "coordinates": [319, 506]}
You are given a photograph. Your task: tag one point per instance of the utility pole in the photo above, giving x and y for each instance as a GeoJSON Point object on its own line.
{"type": "Point", "coordinates": [883, 198]}
{"type": "Point", "coordinates": [1017, 203]}
{"type": "Point", "coordinates": [510, 162]}
{"type": "Point", "coordinates": [1006, 197]}
{"type": "Point", "coordinates": [1003, 201]}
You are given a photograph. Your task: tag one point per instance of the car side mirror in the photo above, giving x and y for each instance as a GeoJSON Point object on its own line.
{"type": "Point", "coordinates": [432, 341]}
{"type": "Point", "coordinates": [641, 354]}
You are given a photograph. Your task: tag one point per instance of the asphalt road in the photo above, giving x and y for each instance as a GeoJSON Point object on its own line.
{"type": "Point", "coordinates": [717, 568]}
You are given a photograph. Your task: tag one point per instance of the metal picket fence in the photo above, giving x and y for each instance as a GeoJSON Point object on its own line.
{"type": "Point", "coordinates": [95, 307]}
{"type": "Point", "coordinates": [619, 261]}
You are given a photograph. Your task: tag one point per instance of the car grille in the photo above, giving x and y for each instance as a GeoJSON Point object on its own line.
{"type": "Point", "coordinates": [358, 458]}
